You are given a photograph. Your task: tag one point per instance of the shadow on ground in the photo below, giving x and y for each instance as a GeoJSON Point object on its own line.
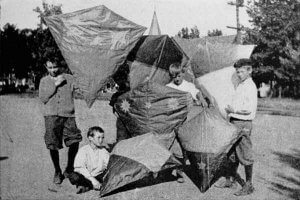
{"type": "Point", "coordinates": [163, 176]}
{"type": "Point", "coordinates": [3, 158]}
{"type": "Point", "coordinates": [288, 186]}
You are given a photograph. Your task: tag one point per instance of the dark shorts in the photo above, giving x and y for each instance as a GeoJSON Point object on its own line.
{"type": "Point", "coordinates": [243, 148]}
{"type": "Point", "coordinates": [59, 129]}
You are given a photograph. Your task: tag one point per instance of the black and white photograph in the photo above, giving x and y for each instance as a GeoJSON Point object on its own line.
{"type": "Point", "coordinates": [150, 99]}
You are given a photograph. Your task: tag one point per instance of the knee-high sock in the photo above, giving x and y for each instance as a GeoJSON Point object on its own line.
{"type": "Point", "coordinates": [55, 159]}
{"type": "Point", "coordinates": [248, 172]}
{"type": "Point", "coordinates": [73, 149]}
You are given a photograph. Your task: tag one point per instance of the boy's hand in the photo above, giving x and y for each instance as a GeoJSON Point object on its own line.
{"type": "Point", "coordinates": [96, 183]}
{"type": "Point", "coordinates": [229, 109]}
{"type": "Point", "coordinates": [59, 80]}
{"type": "Point", "coordinates": [201, 100]}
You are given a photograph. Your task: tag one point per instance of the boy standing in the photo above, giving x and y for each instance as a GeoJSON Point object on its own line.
{"type": "Point", "coordinates": [90, 162]}
{"type": "Point", "coordinates": [177, 72]}
{"type": "Point", "coordinates": [241, 113]}
{"type": "Point", "coordinates": [56, 94]}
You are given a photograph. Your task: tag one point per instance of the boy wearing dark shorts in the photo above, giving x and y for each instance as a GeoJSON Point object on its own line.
{"type": "Point", "coordinates": [56, 94]}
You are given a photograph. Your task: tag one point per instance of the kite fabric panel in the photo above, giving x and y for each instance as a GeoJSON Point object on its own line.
{"type": "Point", "coordinates": [135, 158]}
{"type": "Point", "coordinates": [151, 58]}
{"type": "Point", "coordinates": [211, 57]}
{"type": "Point", "coordinates": [207, 132]}
{"type": "Point", "coordinates": [207, 138]}
{"type": "Point", "coordinates": [152, 107]}
{"type": "Point", "coordinates": [94, 42]}
{"type": "Point", "coordinates": [219, 86]}
{"type": "Point", "coordinates": [139, 72]}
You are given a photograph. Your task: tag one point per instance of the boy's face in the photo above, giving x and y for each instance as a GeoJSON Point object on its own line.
{"type": "Point", "coordinates": [178, 78]}
{"type": "Point", "coordinates": [243, 72]}
{"type": "Point", "coordinates": [97, 139]}
{"type": "Point", "coordinates": [53, 69]}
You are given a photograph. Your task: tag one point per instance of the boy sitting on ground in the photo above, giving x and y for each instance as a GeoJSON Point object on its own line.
{"type": "Point", "coordinates": [90, 162]}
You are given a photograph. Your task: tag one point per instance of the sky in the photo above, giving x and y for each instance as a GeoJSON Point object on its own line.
{"type": "Point", "coordinates": [172, 14]}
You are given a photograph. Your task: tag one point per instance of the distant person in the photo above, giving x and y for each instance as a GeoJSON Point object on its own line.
{"type": "Point", "coordinates": [241, 113]}
{"type": "Point", "coordinates": [56, 93]}
{"type": "Point", "coordinates": [176, 72]}
{"type": "Point", "coordinates": [90, 162]}
{"type": "Point", "coordinates": [264, 90]}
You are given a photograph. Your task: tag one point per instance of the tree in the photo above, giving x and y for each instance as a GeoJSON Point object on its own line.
{"type": "Point", "coordinates": [9, 47]}
{"type": "Point", "coordinates": [46, 11]}
{"type": "Point", "coordinates": [25, 52]}
{"type": "Point", "coordinates": [185, 33]}
{"type": "Point", "coordinates": [214, 32]}
{"type": "Point", "coordinates": [195, 33]}
{"type": "Point", "coordinates": [275, 32]}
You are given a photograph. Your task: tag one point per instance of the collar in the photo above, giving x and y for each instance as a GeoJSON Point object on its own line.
{"type": "Point", "coordinates": [94, 148]}
{"type": "Point", "coordinates": [245, 81]}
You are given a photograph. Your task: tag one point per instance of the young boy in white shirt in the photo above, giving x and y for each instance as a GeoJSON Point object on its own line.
{"type": "Point", "coordinates": [176, 72]}
{"type": "Point", "coordinates": [241, 113]}
{"type": "Point", "coordinates": [90, 162]}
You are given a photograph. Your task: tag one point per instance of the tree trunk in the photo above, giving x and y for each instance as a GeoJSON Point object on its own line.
{"type": "Point", "coordinates": [271, 93]}
{"type": "Point", "coordinates": [279, 92]}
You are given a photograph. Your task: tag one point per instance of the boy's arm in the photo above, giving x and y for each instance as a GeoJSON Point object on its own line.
{"type": "Point", "coordinates": [80, 164]}
{"type": "Point", "coordinates": [229, 109]}
{"type": "Point", "coordinates": [249, 104]}
{"type": "Point", "coordinates": [46, 90]}
{"type": "Point", "coordinates": [202, 95]}
{"type": "Point", "coordinates": [201, 99]}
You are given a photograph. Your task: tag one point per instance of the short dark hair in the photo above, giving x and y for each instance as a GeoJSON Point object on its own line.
{"type": "Point", "coordinates": [176, 68]}
{"type": "Point", "coordinates": [243, 62]}
{"type": "Point", "coordinates": [48, 62]}
{"type": "Point", "coordinates": [92, 130]}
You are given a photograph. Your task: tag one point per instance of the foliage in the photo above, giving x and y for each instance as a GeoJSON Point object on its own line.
{"type": "Point", "coordinates": [214, 32]}
{"type": "Point", "coordinates": [46, 11]}
{"type": "Point", "coordinates": [185, 33]}
{"type": "Point", "coordinates": [277, 55]}
{"type": "Point", "coordinates": [24, 52]}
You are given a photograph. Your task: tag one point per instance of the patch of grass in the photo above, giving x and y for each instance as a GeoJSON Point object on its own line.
{"type": "Point", "coordinates": [276, 103]}
{"type": "Point", "coordinates": [275, 106]}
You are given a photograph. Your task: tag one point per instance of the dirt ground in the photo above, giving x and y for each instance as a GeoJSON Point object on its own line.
{"type": "Point", "coordinates": [26, 169]}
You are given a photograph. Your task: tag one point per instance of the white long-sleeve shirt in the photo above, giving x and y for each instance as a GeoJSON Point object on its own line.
{"type": "Point", "coordinates": [245, 98]}
{"type": "Point", "coordinates": [185, 86]}
{"type": "Point", "coordinates": [91, 162]}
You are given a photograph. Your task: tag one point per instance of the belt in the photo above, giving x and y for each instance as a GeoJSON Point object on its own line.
{"type": "Point", "coordinates": [243, 120]}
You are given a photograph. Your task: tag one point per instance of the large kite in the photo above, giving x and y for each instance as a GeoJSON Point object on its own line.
{"type": "Point", "coordinates": [134, 159]}
{"type": "Point", "coordinates": [94, 42]}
